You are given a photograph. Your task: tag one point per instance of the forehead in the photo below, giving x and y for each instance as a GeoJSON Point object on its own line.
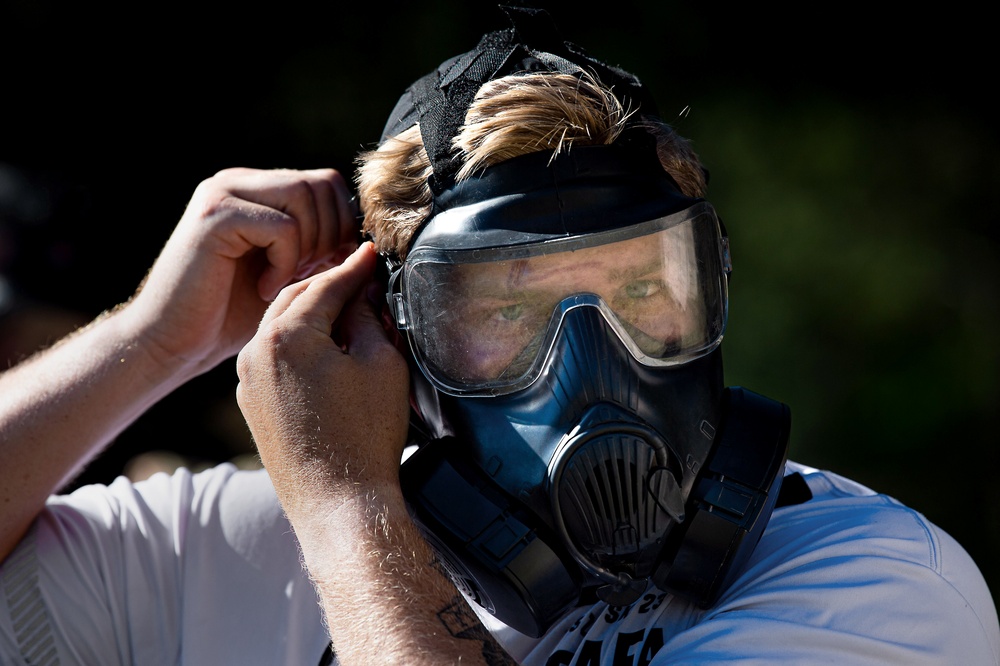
{"type": "Point", "coordinates": [619, 261]}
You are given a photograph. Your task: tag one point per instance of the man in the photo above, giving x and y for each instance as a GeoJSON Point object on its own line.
{"type": "Point", "coordinates": [488, 286]}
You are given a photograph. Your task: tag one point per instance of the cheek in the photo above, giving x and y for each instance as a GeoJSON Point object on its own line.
{"type": "Point", "coordinates": [664, 319]}
{"type": "Point", "coordinates": [485, 356]}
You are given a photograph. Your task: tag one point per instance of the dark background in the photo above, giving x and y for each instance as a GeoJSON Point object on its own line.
{"type": "Point", "coordinates": [852, 154]}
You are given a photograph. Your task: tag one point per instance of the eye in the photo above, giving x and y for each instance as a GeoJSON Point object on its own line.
{"type": "Point", "coordinates": [512, 312]}
{"type": "Point", "coordinates": [642, 288]}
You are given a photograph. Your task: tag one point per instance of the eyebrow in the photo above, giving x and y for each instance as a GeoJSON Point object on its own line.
{"type": "Point", "coordinates": [485, 286]}
{"type": "Point", "coordinates": [634, 271]}
{"type": "Point", "coordinates": [514, 275]}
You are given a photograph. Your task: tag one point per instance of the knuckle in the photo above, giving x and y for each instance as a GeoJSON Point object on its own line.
{"type": "Point", "coordinates": [214, 205]}
{"type": "Point", "coordinates": [273, 337]}
{"type": "Point", "coordinates": [233, 172]}
{"type": "Point", "coordinates": [241, 395]}
{"type": "Point", "coordinates": [210, 197]}
{"type": "Point", "coordinates": [325, 175]}
{"type": "Point", "coordinates": [301, 188]}
{"type": "Point", "coordinates": [245, 363]}
{"type": "Point", "coordinates": [327, 182]}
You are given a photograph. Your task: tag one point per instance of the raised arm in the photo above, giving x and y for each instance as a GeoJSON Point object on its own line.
{"type": "Point", "coordinates": [245, 235]}
{"type": "Point", "coordinates": [326, 396]}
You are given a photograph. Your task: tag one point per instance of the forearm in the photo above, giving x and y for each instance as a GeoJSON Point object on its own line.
{"type": "Point", "coordinates": [61, 407]}
{"type": "Point", "coordinates": [385, 597]}
{"type": "Point", "coordinates": [244, 235]}
{"type": "Point", "coordinates": [329, 414]}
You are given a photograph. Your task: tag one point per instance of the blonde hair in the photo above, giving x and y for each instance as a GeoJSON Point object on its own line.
{"type": "Point", "coordinates": [509, 117]}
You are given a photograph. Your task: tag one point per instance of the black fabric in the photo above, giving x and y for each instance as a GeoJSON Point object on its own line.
{"type": "Point", "coordinates": [328, 656]}
{"type": "Point", "coordinates": [439, 100]}
{"type": "Point", "coordinates": [794, 490]}
{"type": "Point", "coordinates": [534, 199]}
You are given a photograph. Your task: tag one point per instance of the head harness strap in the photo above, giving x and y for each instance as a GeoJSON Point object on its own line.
{"type": "Point", "coordinates": [440, 100]}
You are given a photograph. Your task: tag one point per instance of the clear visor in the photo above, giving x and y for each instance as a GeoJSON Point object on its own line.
{"type": "Point", "coordinates": [482, 321]}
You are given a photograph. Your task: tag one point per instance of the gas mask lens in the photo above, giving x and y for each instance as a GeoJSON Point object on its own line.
{"type": "Point", "coordinates": [481, 321]}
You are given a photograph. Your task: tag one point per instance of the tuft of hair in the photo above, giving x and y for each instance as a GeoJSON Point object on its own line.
{"type": "Point", "coordinates": [516, 115]}
{"type": "Point", "coordinates": [393, 192]}
{"type": "Point", "coordinates": [509, 117]}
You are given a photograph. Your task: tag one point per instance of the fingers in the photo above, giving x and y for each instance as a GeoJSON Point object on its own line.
{"type": "Point", "coordinates": [242, 226]}
{"type": "Point", "coordinates": [320, 300]}
{"type": "Point", "coordinates": [304, 219]}
{"type": "Point", "coordinates": [326, 327]}
{"type": "Point", "coordinates": [359, 330]}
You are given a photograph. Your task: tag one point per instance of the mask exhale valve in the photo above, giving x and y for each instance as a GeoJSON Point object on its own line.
{"type": "Point", "coordinates": [613, 497]}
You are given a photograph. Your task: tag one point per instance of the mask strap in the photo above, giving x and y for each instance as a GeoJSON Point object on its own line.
{"type": "Point", "coordinates": [440, 100]}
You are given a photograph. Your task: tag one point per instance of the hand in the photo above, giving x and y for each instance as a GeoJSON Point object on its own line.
{"type": "Point", "coordinates": [245, 234]}
{"type": "Point", "coordinates": [325, 392]}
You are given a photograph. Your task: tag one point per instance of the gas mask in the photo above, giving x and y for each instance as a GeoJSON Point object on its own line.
{"type": "Point", "coordinates": [565, 318]}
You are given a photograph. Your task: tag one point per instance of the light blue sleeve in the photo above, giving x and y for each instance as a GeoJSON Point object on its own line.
{"type": "Point", "coordinates": [848, 577]}
{"type": "Point", "coordinates": [189, 568]}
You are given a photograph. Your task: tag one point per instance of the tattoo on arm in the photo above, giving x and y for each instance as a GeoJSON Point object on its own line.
{"type": "Point", "coordinates": [462, 623]}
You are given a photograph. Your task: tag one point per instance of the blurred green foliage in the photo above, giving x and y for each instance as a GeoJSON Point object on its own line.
{"type": "Point", "coordinates": [864, 294]}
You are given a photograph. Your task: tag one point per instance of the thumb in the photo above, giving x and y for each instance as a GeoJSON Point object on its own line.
{"type": "Point", "coordinates": [322, 299]}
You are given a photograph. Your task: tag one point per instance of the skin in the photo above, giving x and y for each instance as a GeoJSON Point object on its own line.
{"type": "Point", "coordinates": [320, 358]}
{"type": "Point", "coordinates": [244, 235]}
{"type": "Point", "coordinates": [317, 366]}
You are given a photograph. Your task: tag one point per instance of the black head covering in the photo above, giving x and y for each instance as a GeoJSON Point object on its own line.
{"type": "Point", "coordinates": [439, 100]}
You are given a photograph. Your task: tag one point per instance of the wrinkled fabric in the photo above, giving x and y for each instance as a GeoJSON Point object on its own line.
{"type": "Point", "coordinates": [204, 569]}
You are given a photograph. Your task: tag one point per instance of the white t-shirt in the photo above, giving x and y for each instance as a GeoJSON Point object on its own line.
{"type": "Point", "coordinates": [203, 569]}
